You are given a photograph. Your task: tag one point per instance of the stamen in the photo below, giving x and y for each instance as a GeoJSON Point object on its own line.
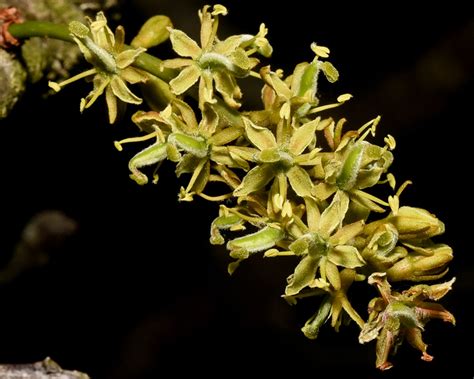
{"type": "Point", "coordinates": [195, 175]}
{"type": "Point", "coordinates": [216, 178]}
{"type": "Point", "coordinates": [276, 253]}
{"type": "Point", "coordinates": [250, 52]}
{"type": "Point", "coordinates": [390, 142]}
{"type": "Point", "coordinates": [252, 220]}
{"type": "Point", "coordinates": [57, 86]}
{"type": "Point", "coordinates": [341, 100]}
{"type": "Point", "coordinates": [255, 74]}
{"type": "Point", "coordinates": [216, 198]}
{"type": "Point", "coordinates": [403, 186]}
{"type": "Point", "coordinates": [287, 210]}
{"type": "Point", "coordinates": [373, 123]}
{"type": "Point", "coordinates": [371, 197]}
{"type": "Point", "coordinates": [118, 144]}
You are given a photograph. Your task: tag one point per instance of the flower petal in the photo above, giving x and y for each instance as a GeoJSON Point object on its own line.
{"type": "Point", "coordinates": [206, 27]}
{"type": "Point", "coordinates": [177, 63]}
{"type": "Point", "coordinates": [256, 179]}
{"type": "Point", "coordinates": [371, 330]}
{"type": "Point", "coordinates": [334, 214]}
{"type": "Point", "coordinates": [186, 78]}
{"type": "Point", "coordinates": [121, 90]}
{"type": "Point", "coordinates": [230, 44]}
{"type": "Point", "coordinates": [111, 101]}
{"type": "Point", "coordinates": [132, 75]}
{"type": "Point", "coordinates": [241, 60]}
{"type": "Point", "coordinates": [433, 292]}
{"type": "Point", "coordinates": [272, 79]}
{"type": "Point", "coordinates": [347, 232]}
{"type": "Point", "coordinates": [261, 137]}
{"type": "Point", "coordinates": [187, 164]}
{"type": "Point", "coordinates": [206, 89]}
{"type": "Point", "coordinates": [302, 137]}
{"type": "Point", "coordinates": [183, 44]}
{"type": "Point", "coordinates": [188, 116]}
{"type": "Point", "coordinates": [345, 256]}
{"type": "Point", "coordinates": [304, 274]}
{"type": "Point", "coordinates": [312, 214]}
{"type": "Point", "coordinates": [226, 86]}
{"type": "Point", "coordinates": [300, 181]}
{"type": "Point", "coordinates": [100, 84]}
{"type": "Point", "coordinates": [332, 274]}
{"type": "Point", "coordinates": [101, 33]}
{"type": "Point", "coordinates": [324, 190]}
{"type": "Point", "coordinates": [127, 57]}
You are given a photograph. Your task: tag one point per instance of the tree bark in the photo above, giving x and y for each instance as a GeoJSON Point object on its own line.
{"type": "Point", "coordinates": [46, 369]}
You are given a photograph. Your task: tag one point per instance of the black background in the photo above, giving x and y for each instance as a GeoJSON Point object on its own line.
{"type": "Point", "coordinates": [139, 292]}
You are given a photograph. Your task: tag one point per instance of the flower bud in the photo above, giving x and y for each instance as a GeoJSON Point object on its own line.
{"type": "Point", "coordinates": [153, 32]}
{"type": "Point", "coordinates": [421, 267]}
{"type": "Point", "coordinates": [416, 224]}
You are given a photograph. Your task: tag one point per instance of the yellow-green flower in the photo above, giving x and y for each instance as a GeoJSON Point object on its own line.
{"type": "Point", "coordinates": [296, 95]}
{"type": "Point", "coordinates": [112, 62]}
{"type": "Point", "coordinates": [153, 124]}
{"type": "Point", "coordinates": [180, 138]}
{"type": "Point", "coordinates": [326, 246]}
{"type": "Point", "coordinates": [215, 63]}
{"type": "Point", "coordinates": [355, 165]}
{"type": "Point", "coordinates": [284, 160]}
{"type": "Point", "coordinates": [333, 305]}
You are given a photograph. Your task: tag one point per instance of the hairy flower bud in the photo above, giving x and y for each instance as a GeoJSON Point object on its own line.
{"type": "Point", "coordinates": [420, 267]}
{"type": "Point", "coordinates": [416, 224]}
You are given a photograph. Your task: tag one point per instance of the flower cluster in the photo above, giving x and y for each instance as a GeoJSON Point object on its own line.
{"type": "Point", "coordinates": [296, 184]}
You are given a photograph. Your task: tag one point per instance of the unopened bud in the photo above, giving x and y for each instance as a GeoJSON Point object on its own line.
{"type": "Point", "coordinates": [421, 267]}
{"type": "Point", "coordinates": [416, 224]}
{"type": "Point", "coordinates": [153, 32]}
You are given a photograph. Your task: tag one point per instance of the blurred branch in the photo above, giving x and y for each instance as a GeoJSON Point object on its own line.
{"type": "Point", "coordinates": [42, 236]}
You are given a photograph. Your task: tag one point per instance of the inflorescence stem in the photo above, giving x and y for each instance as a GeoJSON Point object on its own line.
{"type": "Point", "coordinates": [46, 29]}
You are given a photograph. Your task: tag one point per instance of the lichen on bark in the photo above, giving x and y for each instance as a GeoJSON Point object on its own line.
{"type": "Point", "coordinates": [46, 369]}
{"type": "Point", "coordinates": [40, 56]}
{"type": "Point", "coordinates": [46, 56]}
{"type": "Point", "coordinates": [12, 77]}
